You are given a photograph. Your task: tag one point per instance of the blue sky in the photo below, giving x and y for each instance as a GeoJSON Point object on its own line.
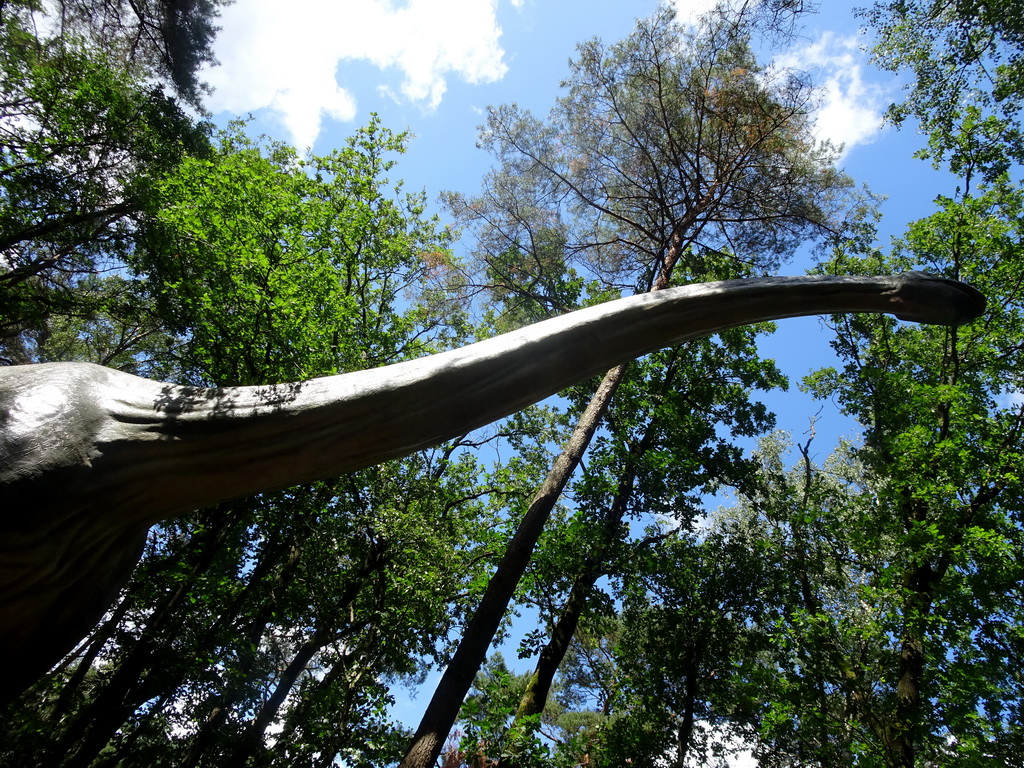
{"type": "Point", "coordinates": [310, 71]}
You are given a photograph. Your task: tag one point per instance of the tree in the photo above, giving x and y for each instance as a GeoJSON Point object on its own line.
{"type": "Point", "coordinates": [81, 145]}
{"type": "Point", "coordinates": [944, 449]}
{"type": "Point", "coordinates": [255, 253]}
{"type": "Point", "coordinates": [289, 611]}
{"type": "Point", "coordinates": [897, 637]}
{"type": "Point", "coordinates": [967, 74]}
{"type": "Point", "coordinates": [662, 162]}
{"type": "Point", "coordinates": [896, 629]}
{"type": "Point", "coordinates": [696, 608]}
{"type": "Point", "coordinates": [169, 40]}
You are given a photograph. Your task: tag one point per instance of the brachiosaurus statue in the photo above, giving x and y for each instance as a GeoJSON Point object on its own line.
{"type": "Point", "coordinates": [91, 457]}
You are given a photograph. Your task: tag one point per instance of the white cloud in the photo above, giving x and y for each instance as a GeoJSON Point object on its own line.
{"type": "Point", "coordinates": [851, 109]}
{"type": "Point", "coordinates": [689, 11]}
{"type": "Point", "coordinates": [286, 56]}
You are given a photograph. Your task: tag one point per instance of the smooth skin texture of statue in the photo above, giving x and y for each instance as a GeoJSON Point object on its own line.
{"type": "Point", "coordinates": [91, 457]}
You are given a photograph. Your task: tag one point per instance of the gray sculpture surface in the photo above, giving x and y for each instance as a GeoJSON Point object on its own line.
{"type": "Point", "coordinates": [91, 457]}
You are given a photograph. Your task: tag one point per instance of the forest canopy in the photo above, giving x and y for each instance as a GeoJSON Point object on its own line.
{"type": "Point", "coordinates": [861, 609]}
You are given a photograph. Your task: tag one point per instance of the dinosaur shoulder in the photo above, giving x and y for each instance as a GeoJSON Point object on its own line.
{"type": "Point", "coordinates": [49, 415]}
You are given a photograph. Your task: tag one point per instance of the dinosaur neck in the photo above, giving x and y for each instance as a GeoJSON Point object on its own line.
{"type": "Point", "coordinates": [176, 449]}
{"type": "Point", "coordinates": [90, 457]}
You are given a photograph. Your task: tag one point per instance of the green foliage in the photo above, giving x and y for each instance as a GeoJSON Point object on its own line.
{"type": "Point", "coordinates": [692, 605]}
{"type": "Point", "coordinates": [167, 40]}
{"type": "Point", "coordinates": [865, 611]}
{"type": "Point", "coordinates": [530, 285]}
{"type": "Point", "coordinates": [81, 144]}
{"type": "Point", "coordinates": [966, 59]}
{"type": "Point", "coordinates": [486, 715]}
{"type": "Point", "coordinates": [133, 243]}
{"type": "Point", "coordinates": [903, 552]}
{"type": "Point", "coordinates": [273, 268]}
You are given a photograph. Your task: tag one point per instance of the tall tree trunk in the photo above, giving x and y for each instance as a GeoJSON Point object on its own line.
{"type": "Point", "coordinates": [921, 583]}
{"type": "Point", "coordinates": [538, 687]}
{"type": "Point", "coordinates": [252, 739]}
{"type": "Point", "coordinates": [458, 677]}
{"type": "Point", "coordinates": [550, 659]}
{"type": "Point", "coordinates": [92, 728]}
{"type": "Point", "coordinates": [444, 705]}
{"type": "Point", "coordinates": [687, 720]}
{"type": "Point", "coordinates": [220, 705]}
